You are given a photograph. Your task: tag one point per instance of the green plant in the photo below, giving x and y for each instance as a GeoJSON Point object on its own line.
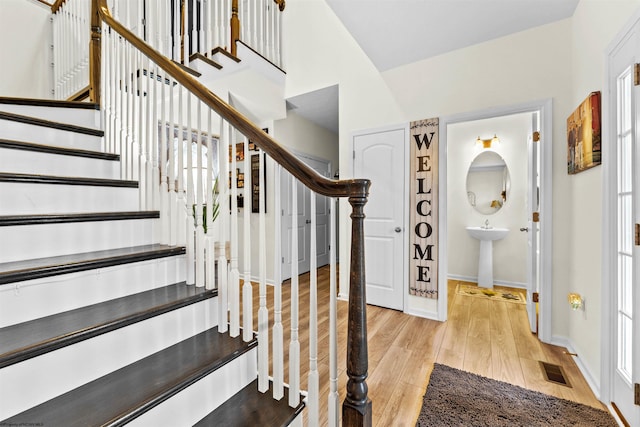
{"type": "Point", "coordinates": [215, 204]}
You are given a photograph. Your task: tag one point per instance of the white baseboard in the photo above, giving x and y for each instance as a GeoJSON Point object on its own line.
{"type": "Point", "coordinates": [518, 285]}
{"type": "Point", "coordinates": [594, 384]}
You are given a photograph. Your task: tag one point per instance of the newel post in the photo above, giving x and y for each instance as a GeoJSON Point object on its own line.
{"type": "Point", "coordinates": [356, 408]}
{"type": "Point", "coordinates": [95, 47]}
{"type": "Point", "coordinates": [235, 26]}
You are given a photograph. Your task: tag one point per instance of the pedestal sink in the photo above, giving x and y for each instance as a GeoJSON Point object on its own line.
{"type": "Point", "coordinates": [485, 260]}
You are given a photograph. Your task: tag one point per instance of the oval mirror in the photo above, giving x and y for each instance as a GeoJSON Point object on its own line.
{"type": "Point", "coordinates": [488, 183]}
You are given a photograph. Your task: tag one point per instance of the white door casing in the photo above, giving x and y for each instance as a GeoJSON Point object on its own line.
{"type": "Point", "coordinates": [379, 155]}
{"type": "Point", "coordinates": [621, 210]}
{"type": "Point", "coordinates": [533, 207]}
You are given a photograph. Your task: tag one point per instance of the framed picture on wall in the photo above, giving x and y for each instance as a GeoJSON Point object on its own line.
{"type": "Point", "coordinates": [584, 139]}
{"type": "Point", "coordinates": [255, 182]}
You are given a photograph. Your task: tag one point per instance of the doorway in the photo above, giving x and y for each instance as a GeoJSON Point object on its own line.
{"type": "Point", "coordinates": [526, 189]}
{"type": "Point", "coordinates": [303, 213]}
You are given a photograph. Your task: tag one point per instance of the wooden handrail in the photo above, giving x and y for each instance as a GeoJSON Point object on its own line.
{"type": "Point", "coordinates": [356, 409]}
{"type": "Point", "coordinates": [305, 174]}
{"type": "Point", "coordinates": [56, 5]}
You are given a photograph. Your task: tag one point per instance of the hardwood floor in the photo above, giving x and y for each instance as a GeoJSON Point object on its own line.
{"type": "Point", "coordinates": [486, 337]}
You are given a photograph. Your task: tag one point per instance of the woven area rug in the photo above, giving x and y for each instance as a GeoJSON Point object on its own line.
{"type": "Point", "coordinates": [459, 398]}
{"type": "Point", "coordinates": [494, 294]}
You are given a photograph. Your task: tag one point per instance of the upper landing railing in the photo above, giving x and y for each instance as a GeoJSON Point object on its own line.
{"type": "Point", "coordinates": [178, 29]}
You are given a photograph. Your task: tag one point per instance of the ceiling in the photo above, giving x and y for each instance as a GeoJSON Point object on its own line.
{"type": "Point", "coordinates": [397, 32]}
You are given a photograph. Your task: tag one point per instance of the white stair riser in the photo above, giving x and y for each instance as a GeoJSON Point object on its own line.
{"type": "Point", "coordinates": [88, 118]}
{"type": "Point", "coordinates": [46, 240]}
{"type": "Point", "coordinates": [36, 198]}
{"type": "Point", "coordinates": [35, 162]}
{"type": "Point", "coordinates": [50, 136]}
{"type": "Point", "coordinates": [41, 378]}
{"type": "Point", "coordinates": [33, 299]}
{"type": "Point", "coordinates": [196, 401]}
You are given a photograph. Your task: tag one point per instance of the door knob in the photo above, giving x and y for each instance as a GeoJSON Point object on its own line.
{"type": "Point", "coordinates": [398, 229]}
{"type": "Point", "coordinates": [526, 229]}
{"type": "Point", "coordinates": [308, 221]}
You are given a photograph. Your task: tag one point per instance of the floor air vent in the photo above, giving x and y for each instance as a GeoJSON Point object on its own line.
{"type": "Point", "coordinates": [554, 374]}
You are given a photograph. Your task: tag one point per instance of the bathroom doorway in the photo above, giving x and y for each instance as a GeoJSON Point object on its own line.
{"type": "Point", "coordinates": [509, 149]}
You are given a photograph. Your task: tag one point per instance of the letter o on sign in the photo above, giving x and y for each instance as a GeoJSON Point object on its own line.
{"type": "Point", "coordinates": [420, 229]}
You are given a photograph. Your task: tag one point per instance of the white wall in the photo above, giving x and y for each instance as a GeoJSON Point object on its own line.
{"type": "Point", "coordinates": [594, 25]}
{"type": "Point", "coordinates": [510, 253]}
{"type": "Point", "coordinates": [24, 49]}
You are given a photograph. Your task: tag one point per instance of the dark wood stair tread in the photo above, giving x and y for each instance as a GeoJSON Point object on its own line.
{"type": "Point", "coordinates": [204, 59]}
{"type": "Point", "coordinates": [52, 149]}
{"type": "Point", "coordinates": [123, 395]}
{"type": "Point", "coordinates": [249, 408]}
{"type": "Point", "coordinates": [50, 124]}
{"type": "Point", "coordinates": [44, 267]}
{"type": "Point", "coordinates": [8, 220]}
{"type": "Point", "coordinates": [35, 337]}
{"type": "Point", "coordinates": [66, 180]}
{"type": "Point", "coordinates": [49, 103]}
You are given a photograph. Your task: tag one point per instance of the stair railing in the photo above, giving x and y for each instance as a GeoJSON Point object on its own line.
{"type": "Point", "coordinates": [178, 29]}
{"type": "Point", "coordinates": [70, 32]}
{"type": "Point", "coordinates": [156, 117]}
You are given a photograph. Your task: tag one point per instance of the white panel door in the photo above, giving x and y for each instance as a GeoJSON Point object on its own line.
{"type": "Point", "coordinates": [379, 157]}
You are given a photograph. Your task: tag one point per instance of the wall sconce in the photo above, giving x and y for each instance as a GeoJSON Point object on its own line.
{"type": "Point", "coordinates": [576, 301]}
{"type": "Point", "coordinates": [486, 143]}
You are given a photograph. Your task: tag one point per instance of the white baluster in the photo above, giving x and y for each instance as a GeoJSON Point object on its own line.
{"type": "Point", "coordinates": [187, 35]}
{"type": "Point", "coordinates": [333, 399]}
{"type": "Point", "coordinates": [247, 289]}
{"type": "Point", "coordinates": [208, 197]}
{"type": "Point", "coordinates": [177, 36]}
{"type": "Point", "coordinates": [199, 195]}
{"type": "Point", "coordinates": [222, 227]}
{"type": "Point", "coordinates": [150, 135]}
{"type": "Point", "coordinates": [209, 23]}
{"type": "Point", "coordinates": [130, 104]}
{"type": "Point", "coordinates": [294, 344]}
{"type": "Point", "coordinates": [278, 40]}
{"type": "Point", "coordinates": [183, 208]}
{"type": "Point", "coordinates": [313, 380]}
{"type": "Point", "coordinates": [157, 134]}
{"type": "Point", "coordinates": [278, 345]}
{"type": "Point", "coordinates": [164, 184]}
{"type": "Point", "coordinates": [171, 148]}
{"type": "Point", "coordinates": [234, 275]}
{"type": "Point", "coordinates": [263, 312]}
{"type": "Point", "coordinates": [190, 201]}
{"type": "Point", "coordinates": [106, 88]}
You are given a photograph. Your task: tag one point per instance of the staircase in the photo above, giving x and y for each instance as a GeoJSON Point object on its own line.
{"type": "Point", "coordinates": [98, 325]}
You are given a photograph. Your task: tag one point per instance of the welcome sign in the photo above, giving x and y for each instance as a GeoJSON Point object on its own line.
{"type": "Point", "coordinates": [423, 265]}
